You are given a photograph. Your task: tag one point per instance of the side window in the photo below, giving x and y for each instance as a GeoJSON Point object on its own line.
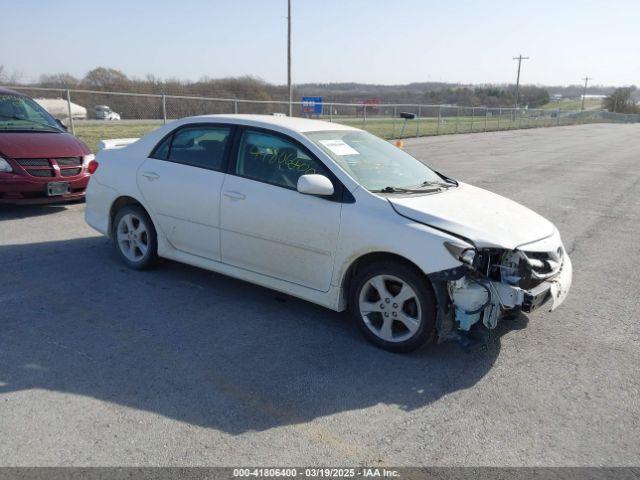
{"type": "Point", "coordinates": [199, 146]}
{"type": "Point", "coordinates": [272, 159]}
{"type": "Point", "coordinates": [161, 152]}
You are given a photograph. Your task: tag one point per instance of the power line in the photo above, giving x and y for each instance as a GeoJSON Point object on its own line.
{"type": "Point", "coordinates": [289, 58]}
{"type": "Point", "coordinates": [584, 91]}
{"type": "Point", "coordinates": [519, 58]}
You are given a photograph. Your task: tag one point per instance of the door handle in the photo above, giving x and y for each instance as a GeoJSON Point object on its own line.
{"type": "Point", "coordinates": [233, 195]}
{"type": "Point", "coordinates": [151, 176]}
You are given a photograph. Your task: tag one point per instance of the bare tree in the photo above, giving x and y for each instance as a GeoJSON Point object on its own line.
{"type": "Point", "coordinates": [621, 101]}
{"type": "Point", "coordinates": [105, 78]}
{"type": "Point", "coordinates": [7, 78]}
{"type": "Point", "coordinates": [64, 80]}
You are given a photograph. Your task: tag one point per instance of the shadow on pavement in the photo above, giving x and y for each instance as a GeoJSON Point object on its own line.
{"type": "Point", "coordinates": [200, 347]}
{"type": "Point", "coordinates": [12, 212]}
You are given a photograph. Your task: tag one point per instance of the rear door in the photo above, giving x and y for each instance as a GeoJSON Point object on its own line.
{"type": "Point", "coordinates": [181, 183]}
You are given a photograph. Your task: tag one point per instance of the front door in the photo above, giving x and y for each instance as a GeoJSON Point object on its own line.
{"type": "Point", "coordinates": [266, 225]}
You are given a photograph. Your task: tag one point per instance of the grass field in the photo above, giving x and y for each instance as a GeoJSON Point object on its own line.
{"type": "Point", "coordinates": [390, 128]}
{"type": "Point", "coordinates": [92, 132]}
{"type": "Point", "coordinates": [574, 104]}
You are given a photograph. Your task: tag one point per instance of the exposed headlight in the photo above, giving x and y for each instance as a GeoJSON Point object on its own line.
{"type": "Point", "coordinates": [87, 158]}
{"type": "Point", "coordinates": [462, 253]}
{"type": "Point", "coordinates": [4, 165]}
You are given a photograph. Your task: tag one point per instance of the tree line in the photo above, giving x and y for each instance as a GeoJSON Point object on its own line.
{"type": "Point", "coordinates": [622, 100]}
{"type": "Point", "coordinates": [252, 88]}
{"type": "Point", "coordinates": [109, 79]}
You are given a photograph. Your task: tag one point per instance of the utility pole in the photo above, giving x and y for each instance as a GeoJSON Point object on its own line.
{"type": "Point", "coordinates": [584, 91]}
{"type": "Point", "coordinates": [519, 58]}
{"type": "Point", "coordinates": [289, 58]}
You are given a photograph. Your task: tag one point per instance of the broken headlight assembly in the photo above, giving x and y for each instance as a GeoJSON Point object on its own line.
{"type": "Point", "coordinates": [488, 288]}
{"type": "Point", "coordinates": [495, 281]}
{"type": "Point", "coordinates": [463, 253]}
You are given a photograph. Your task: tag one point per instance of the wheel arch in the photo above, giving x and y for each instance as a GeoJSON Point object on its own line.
{"type": "Point", "coordinates": [120, 202]}
{"type": "Point", "coordinates": [367, 259]}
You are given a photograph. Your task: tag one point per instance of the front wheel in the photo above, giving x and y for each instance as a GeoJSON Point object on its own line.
{"type": "Point", "coordinates": [394, 306]}
{"type": "Point", "coordinates": [134, 237]}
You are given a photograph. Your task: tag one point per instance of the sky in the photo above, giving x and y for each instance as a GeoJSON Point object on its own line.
{"type": "Point", "coordinates": [369, 41]}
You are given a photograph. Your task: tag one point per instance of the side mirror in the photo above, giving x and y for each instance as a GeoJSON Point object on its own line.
{"type": "Point", "coordinates": [314, 184]}
{"type": "Point", "coordinates": [62, 125]}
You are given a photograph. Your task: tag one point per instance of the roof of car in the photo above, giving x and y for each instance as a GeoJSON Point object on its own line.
{"type": "Point", "coordinates": [290, 123]}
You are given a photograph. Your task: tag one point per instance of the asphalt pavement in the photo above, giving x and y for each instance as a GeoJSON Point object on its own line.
{"type": "Point", "coordinates": [101, 365]}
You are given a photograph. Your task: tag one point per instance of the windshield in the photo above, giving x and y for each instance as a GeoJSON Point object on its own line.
{"type": "Point", "coordinates": [374, 163]}
{"type": "Point", "coordinates": [22, 113]}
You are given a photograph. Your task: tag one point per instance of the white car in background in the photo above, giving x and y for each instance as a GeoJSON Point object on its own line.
{"type": "Point", "coordinates": [104, 112]}
{"type": "Point", "coordinates": [330, 214]}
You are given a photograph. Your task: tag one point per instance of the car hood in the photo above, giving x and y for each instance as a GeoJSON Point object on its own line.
{"type": "Point", "coordinates": [485, 218]}
{"type": "Point", "coordinates": [40, 145]}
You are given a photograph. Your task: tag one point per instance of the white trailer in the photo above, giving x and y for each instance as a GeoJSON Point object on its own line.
{"type": "Point", "coordinates": [59, 108]}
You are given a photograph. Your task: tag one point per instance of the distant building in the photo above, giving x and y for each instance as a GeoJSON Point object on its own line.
{"type": "Point", "coordinates": [59, 108]}
{"type": "Point", "coordinates": [556, 96]}
{"type": "Point", "coordinates": [371, 105]}
{"type": "Point", "coordinates": [594, 97]}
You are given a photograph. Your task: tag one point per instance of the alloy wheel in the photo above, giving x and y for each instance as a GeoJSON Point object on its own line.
{"type": "Point", "coordinates": [132, 236]}
{"type": "Point", "coordinates": [390, 308]}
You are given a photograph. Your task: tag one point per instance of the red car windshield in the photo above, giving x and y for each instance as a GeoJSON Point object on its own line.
{"type": "Point", "coordinates": [22, 113]}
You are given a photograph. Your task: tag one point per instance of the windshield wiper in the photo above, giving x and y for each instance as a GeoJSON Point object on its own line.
{"type": "Point", "coordinates": [448, 180]}
{"type": "Point", "coordinates": [42, 124]}
{"type": "Point", "coordinates": [419, 189]}
{"type": "Point", "coordinates": [449, 183]}
{"type": "Point", "coordinates": [405, 190]}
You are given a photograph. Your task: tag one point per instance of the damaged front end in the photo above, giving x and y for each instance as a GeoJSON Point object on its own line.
{"type": "Point", "coordinates": [494, 282]}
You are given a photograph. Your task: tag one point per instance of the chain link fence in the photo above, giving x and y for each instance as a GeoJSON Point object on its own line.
{"type": "Point", "coordinates": [135, 114]}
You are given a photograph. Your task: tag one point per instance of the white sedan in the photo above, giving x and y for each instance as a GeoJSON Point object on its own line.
{"type": "Point", "coordinates": [330, 214]}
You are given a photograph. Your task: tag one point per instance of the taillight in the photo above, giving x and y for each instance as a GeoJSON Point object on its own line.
{"type": "Point", "coordinates": [93, 166]}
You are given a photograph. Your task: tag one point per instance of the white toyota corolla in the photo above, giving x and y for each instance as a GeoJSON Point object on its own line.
{"type": "Point", "coordinates": [330, 214]}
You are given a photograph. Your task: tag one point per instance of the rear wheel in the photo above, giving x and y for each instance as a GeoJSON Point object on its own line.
{"type": "Point", "coordinates": [394, 306]}
{"type": "Point", "coordinates": [135, 238]}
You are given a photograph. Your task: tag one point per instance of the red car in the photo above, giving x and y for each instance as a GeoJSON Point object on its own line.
{"type": "Point", "coordinates": [39, 161]}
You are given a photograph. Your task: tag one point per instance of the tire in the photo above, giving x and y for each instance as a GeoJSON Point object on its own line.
{"type": "Point", "coordinates": [400, 326]}
{"type": "Point", "coordinates": [137, 247]}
